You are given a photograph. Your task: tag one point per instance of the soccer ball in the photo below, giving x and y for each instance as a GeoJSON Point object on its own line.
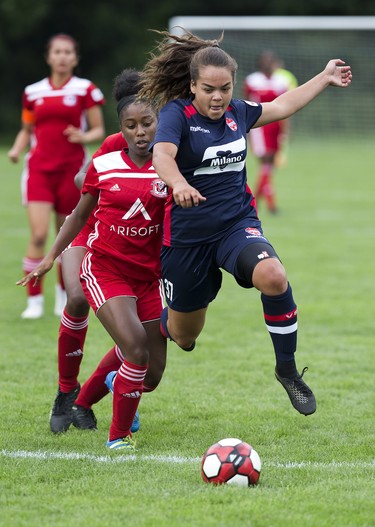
{"type": "Point", "coordinates": [231, 461]}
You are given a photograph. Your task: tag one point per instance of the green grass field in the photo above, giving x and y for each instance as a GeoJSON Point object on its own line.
{"type": "Point", "coordinates": [318, 471]}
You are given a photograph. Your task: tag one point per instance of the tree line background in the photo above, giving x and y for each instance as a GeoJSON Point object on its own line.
{"type": "Point", "coordinates": [113, 35]}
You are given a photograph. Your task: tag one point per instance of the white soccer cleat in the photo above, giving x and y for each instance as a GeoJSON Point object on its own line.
{"type": "Point", "coordinates": [35, 307]}
{"type": "Point", "coordinates": [60, 300]}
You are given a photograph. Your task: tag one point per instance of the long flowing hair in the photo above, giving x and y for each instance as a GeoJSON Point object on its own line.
{"type": "Point", "coordinates": [175, 62]}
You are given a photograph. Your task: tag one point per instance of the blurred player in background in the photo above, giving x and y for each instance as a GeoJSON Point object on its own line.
{"type": "Point", "coordinates": [281, 157]}
{"type": "Point", "coordinates": [268, 142]}
{"type": "Point", "coordinates": [120, 272]}
{"type": "Point", "coordinates": [60, 114]}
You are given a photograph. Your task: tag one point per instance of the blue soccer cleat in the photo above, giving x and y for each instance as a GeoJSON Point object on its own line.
{"type": "Point", "coordinates": [109, 380]}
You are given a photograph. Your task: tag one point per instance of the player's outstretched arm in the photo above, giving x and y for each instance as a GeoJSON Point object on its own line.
{"type": "Point", "coordinates": [69, 230]}
{"type": "Point", "coordinates": [336, 73]}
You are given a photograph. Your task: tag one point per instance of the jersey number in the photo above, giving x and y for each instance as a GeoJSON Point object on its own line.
{"type": "Point", "coordinates": [168, 288]}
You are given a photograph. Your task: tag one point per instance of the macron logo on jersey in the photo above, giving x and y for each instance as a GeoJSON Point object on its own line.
{"type": "Point", "coordinates": [199, 129]}
{"type": "Point", "coordinates": [135, 209]}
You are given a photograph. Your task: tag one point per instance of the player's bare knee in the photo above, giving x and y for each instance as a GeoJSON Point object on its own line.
{"type": "Point", "coordinates": [136, 352]}
{"type": "Point", "coordinates": [139, 356]}
{"type": "Point", "coordinates": [270, 277]}
{"type": "Point", "coordinates": [76, 304]}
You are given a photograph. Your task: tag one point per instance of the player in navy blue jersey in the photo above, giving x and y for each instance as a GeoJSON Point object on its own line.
{"type": "Point", "coordinates": [211, 220]}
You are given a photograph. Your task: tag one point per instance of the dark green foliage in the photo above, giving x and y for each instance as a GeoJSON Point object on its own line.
{"type": "Point", "coordinates": [113, 35]}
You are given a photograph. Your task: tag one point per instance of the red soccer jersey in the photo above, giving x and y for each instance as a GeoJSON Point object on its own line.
{"type": "Point", "coordinates": [260, 88]}
{"type": "Point", "coordinates": [110, 144]}
{"type": "Point", "coordinates": [130, 212]}
{"type": "Point", "coordinates": [53, 109]}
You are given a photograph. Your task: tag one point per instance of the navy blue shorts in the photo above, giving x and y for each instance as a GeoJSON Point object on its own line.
{"type": "Point", "coordinates": [192, 276]}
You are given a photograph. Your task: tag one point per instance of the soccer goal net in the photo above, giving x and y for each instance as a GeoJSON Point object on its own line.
{"type": "Point", "coordinates": [304, 44]}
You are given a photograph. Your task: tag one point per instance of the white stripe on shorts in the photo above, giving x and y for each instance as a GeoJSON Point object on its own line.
{"type": "Point", "coordinates": [91, 283]}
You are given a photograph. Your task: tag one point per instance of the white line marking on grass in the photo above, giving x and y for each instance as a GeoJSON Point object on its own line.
{"type": "Point", "coordinates": [97, 459]}
{"type": "Point", "coordinates": [67, 456]}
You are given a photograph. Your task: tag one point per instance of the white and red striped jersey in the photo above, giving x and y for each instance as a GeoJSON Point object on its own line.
{"type": "Point", "coordinates": [52, 110]}
{"type": "Point", "coordinates": [129, 217]}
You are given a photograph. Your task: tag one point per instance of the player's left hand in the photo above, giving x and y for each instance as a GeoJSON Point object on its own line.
{"type": "Point", "coordinates": [338, 74]}
{"type": "Point", "coordinates": [74, 134]}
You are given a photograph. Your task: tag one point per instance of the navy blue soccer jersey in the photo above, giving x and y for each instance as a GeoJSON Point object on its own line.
{"type": "Point", "coordinates": [212, 158]}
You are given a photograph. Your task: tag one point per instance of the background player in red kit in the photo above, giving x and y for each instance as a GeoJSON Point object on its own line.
{"type": "Point", "coordinates": [60, 114]}
{"type": "Point", "coordinates": [120, 273]}
{"type": "Point", "coordinates": [266, 141]}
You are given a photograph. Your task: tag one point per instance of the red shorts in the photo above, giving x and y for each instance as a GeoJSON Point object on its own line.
{"type": "Point", "coordinates": [101, 280]}
{"type": "Point", "coordinates": [265, 139]}
{"type": "Point", "coordinates": [57, 188]}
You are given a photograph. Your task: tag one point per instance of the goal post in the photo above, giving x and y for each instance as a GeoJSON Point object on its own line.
{"type": "Point", "coordinates": [304, 44]}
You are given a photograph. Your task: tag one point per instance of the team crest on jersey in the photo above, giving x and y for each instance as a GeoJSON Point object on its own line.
{"type": "Point", "coordinates": [70, 100]}
{"type": "Point", "coordinates": [159, 189]}
{"type": "Point", "coordinates": [232, 124]}
{"type": "Point", "coordinates": [252, 231]}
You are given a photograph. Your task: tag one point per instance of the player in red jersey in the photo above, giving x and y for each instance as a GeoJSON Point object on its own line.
{"type": "Point", "coordinates": [60, 115]}
{"type": "Point", "coordinates": [74, 320]}
{"type": "Point", "coordinates": [266, 141]}
{"type": "Point", "coordinates": [120, 273]}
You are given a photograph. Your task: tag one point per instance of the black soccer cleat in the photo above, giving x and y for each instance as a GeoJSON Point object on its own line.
{"type": "Point", "coordinates": [300, 395]}
{"type": "Point", "coordinates": [61, 413]}
{"type": "Point", "coordinates": [84, 418]}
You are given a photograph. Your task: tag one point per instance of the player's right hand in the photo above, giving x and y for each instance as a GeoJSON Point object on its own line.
{"type": "Point", "coordinates": [186, 196]}
{"type": "Point", "coordinates": [37, 273]}
{"type": "Point", "coordinates": [13, 156]}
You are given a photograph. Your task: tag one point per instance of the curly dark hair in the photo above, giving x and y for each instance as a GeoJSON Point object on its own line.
{"type": "Point", "coordinates": [126, 83]}
{"type": "Point", "coordinates": [175, 62]}
{"type": "Point", "coordinates": [126, 88]}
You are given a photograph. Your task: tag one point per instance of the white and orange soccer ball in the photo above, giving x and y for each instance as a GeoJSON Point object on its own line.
{"type": "Point", "coordinates": [231, 461]}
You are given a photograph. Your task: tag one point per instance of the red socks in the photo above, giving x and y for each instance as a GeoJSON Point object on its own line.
{"type": "Point", "coordinates": [72, 334]}
{"type": "Point", "coordinates": [264, 186]}
{"type": "Point", "coordinates": [127, 392]}
{"type": "Point", "coordinates": [94, 389]}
